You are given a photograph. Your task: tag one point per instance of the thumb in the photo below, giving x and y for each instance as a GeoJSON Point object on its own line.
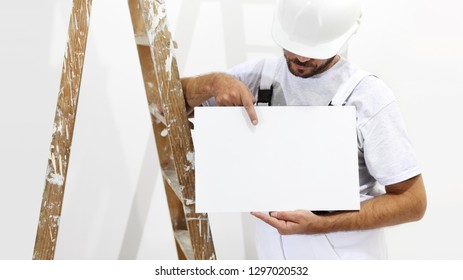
{"type": "Point", "coordinates": [284, 215]}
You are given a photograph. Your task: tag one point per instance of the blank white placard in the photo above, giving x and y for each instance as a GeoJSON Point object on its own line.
{"type": "Point", "coordinates": [297, 157]}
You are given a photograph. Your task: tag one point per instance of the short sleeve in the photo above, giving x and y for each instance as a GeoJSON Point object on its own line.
{"type": "Point", "coordinates": [388, 153]}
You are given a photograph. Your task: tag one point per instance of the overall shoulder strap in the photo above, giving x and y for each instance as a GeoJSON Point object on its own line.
{"type": "Point", "coordinates": [268, 72]}
{"type": "Point", "coordinates": [265, 94]}
{"type": "Point", "coordinates": [346, 89]}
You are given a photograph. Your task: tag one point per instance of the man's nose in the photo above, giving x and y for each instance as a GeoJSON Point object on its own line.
{"type": "Point", "coordinates": [303, 59]}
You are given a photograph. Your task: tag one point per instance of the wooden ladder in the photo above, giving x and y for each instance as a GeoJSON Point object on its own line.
{"type": "Point", "coordinates": [170, 125]}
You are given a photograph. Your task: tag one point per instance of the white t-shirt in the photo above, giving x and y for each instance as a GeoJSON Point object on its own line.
{"type": "Point", "coordinates": [385, 154]}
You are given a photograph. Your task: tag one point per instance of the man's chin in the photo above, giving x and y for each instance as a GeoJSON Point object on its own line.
{"type": "Point", "coordinates": [301, 73]}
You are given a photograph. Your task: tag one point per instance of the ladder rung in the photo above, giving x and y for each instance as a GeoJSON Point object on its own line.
{"type": "Point", "coordinates": [183, 239]}
{"type": "Point", "coordinates": [142, 40]}
{"type": "Point", "coordinates": [171, 177]}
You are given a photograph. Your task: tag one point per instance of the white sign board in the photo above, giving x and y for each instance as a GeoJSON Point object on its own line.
{"type": "Point", "coordinates": [302, 157]}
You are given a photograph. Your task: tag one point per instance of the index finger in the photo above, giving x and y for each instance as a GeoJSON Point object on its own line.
{"type": "Point", "coordinates": [274, 222]}
{"type": "Point", "coordinates": [248, 103]}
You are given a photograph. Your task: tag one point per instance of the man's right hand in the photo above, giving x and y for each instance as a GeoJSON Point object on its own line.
{"type": "Point", "coordinates": [227, 91]}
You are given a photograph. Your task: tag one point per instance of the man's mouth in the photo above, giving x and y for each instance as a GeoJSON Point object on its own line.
{"type": "Point", "coordinates": [303, 65]}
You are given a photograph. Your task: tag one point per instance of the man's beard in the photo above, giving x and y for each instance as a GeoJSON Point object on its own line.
{"type": "Point", "coordinates": [309, 65]}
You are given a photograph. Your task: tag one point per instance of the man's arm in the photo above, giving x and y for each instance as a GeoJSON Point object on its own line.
{"type": "Point", "coordinates": [227, 90]}
{"type": "Point", "coordinates": [403, 202]}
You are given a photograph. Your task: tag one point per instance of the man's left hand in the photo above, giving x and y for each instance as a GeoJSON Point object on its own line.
{"type": "Point", "coordinates": [293, 222]}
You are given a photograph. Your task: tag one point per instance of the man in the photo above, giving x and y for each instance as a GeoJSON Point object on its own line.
{"type": "Point", "coordinates": [311, 72]}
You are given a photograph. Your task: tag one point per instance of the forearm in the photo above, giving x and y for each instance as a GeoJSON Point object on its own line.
{"type": "Point", "coordinates": [394, 207]}
{"type": "Point", "coordinates": [227, 91]}
{"type": "Point", "coordinates": [198, 89]}
{"type": "Point", "coordinates": [403, 202]}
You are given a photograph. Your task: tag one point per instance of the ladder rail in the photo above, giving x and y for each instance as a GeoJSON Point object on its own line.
{"type": "Point", "coordinates": [154, 34]}
{"type": "Point", "coordinates": [63, 130]}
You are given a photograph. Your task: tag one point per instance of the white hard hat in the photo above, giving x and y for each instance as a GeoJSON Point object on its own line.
{"type": "Point", "coordinates": [315, 28]}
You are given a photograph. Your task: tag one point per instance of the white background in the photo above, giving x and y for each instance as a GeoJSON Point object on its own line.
{"type": "Point", "coordinates": [114, 204]}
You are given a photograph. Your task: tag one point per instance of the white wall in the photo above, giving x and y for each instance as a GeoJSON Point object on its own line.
{"type": "Point", "coordinates": [114, 202]}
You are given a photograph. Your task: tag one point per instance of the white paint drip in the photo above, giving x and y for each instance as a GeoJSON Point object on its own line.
{"type": "Point", "coordinates": [51, 206]}
{"type": "Point", "coordinates": [169, 65]}
{"type": "Point", "coordinates": [154, 109]}
{"type": "Point", "coordinates": [190, 156]}
{"type": "Point", "coordinates": [70, 79]}
{"type": "Point", "coordinates": [72, 99]}
{"type": "Point", "coordinates": [157, 24]}
{"type": "Point", "coordinates": [164, 132]}
{"type": "Point", "coordinates": [156, 20]}
{"type": "Point", "coordinates": [161, 14]}
{"type": "Point", "coordinates": [88, 14]}
{"type": "Point", "coordinates": [189, 202]}
{"type": "Point", "coordinates": [200, 220]}
{"type": "Point", "coordinates": [200, 228]}
{"type": "Point", "coordinates": [58, 128]}
{"type": "Point", "coordinates": [60, 161]}
{"type": "Point", "coordinates": [56, 220]}
{"type": "Point", "coordinates": [53, 161]}
{"type": "Point", "coordinates": [55, 179]}
{"type": "Point", "coordinates": [51, 235]}
{"type": "Point", "coordinates": [76, 23]}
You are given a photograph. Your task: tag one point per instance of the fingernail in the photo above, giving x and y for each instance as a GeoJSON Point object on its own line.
{"type": "Point", "coordinates": [254, 122]}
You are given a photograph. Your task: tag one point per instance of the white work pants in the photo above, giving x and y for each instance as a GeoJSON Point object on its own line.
{"type": "Point", "coordinates": [367, 244]}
